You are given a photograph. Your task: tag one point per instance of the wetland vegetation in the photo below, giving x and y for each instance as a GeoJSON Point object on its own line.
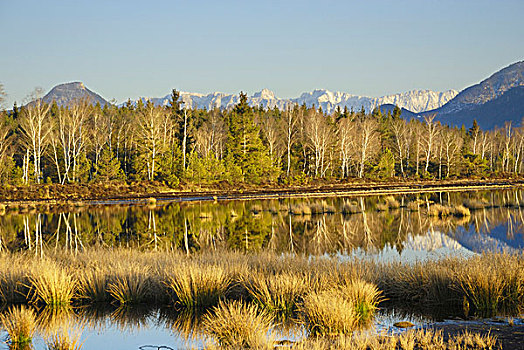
{"type": "Point", "coordinates": [310, 273]}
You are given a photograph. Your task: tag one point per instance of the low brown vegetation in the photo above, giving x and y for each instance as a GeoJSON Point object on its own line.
{"type": "Point", "coordinates": [236, 325]}
{"type": "Point", "coordinates": [485, 285]}
{"type": "Point", "coordinates": [410, 340]}
{"type": "Point", "coordinates": [442, 211]}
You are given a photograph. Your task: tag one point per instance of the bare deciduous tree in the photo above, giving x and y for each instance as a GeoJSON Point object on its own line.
{"type": "Point", "coordinates": [320, 136]}
{"type": "Point", "coordinates": [366, 140]}
{"type": "Point", "coordinates": [150, 135]}
{"type": "Point", "coordinates": [35, 125]}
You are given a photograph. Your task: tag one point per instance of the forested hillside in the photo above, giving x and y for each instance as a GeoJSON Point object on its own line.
{"type": "Point", "coordinates": [81, 143]}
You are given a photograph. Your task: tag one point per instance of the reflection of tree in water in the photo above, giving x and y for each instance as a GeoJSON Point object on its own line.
{"type": "Point", "coordinates": [254, 225]}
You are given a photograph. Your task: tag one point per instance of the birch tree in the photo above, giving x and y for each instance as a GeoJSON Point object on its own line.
{"type": "Point", "coordinates": [35, 126]}
{"type": "Point", "coordinates": [429, 136]}
{"type": "Point", "coordinates": [320, 136]}
{"type": "Point", "coordinates": [150, 136]}
{"type": "Point", "coordinates": [366, 140]}
{"type": "Point", "coordinates": [346, 144]}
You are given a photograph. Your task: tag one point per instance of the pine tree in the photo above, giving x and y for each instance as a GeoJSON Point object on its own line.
{"type": "Point", "coordinates": [244, 145]}
{"type": "Point", "coordinates": [397, 112]}
{"type": "Point", "coordinates": [108, 167]}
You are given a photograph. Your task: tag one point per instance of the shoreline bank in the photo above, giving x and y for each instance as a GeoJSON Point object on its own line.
{"type": "Point", "coordinates": [52, 194]}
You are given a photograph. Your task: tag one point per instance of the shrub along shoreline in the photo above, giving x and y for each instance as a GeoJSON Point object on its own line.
{"type": "Point", "coordinates": [121, 190]}
{"type": "Point", "coordinates": [264, 286]}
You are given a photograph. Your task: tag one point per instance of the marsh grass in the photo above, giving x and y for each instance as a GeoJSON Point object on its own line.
{"type": "Point", "coordinates": [321, 208]}
{"type": "Point", "coordinates": [392, 202]}
{"type": "Point", "coordinates": [93, 286]}
{"type": "Point", "coordinates": [414, 206]}
{"type": "Point", "coordinates": [52, 285]}
{"type": "Point", "coordinates": [300, 209]}
{"type": "Point", "coordinates": [329, 313]}
{"type": "Point", "coordinates": [492, 285]}
{"type": "Point", "coordinates": [129, 284]}
{"type": "Point", "coordinates": [197, 286]}
{"type": "Point", "coordinates": [441, 211]}
{"type": "Point", "coordinates": [428, 284]}
{"type": "Point", "coordinates": [340, 309]}
{"type": "Point", "coordinates": [14, 278]}
{"type": "Point", "coordinates": [476, 204]}
{"type": "Point", "coordinates": [280, 293]}
{"type": "Point", "coordinates": [364, 297]}
{"type": "Point", "coordinates": [237, 325]}
{"type": "Point", "coordinates": [20, 325]}
{"type": "Point", "coordinates": [349, 208]}
{"type": "Point", "coordinates": [424, 339]}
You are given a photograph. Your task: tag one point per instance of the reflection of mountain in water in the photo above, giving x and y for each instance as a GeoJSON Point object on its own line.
{"type": "Point", "coordinates": [433, 245]}
{"type": "Point", "coordinates": [497, 240]}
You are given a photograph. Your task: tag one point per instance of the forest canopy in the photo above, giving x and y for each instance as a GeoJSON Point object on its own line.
{"type": "Point", "coordinates": [82, 143]}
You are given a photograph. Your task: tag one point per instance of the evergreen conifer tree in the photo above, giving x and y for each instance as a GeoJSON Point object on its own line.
{"type": "Point", "coordinates": [108, 167]}
{"type": "Point", "coordinates": [244, 145]}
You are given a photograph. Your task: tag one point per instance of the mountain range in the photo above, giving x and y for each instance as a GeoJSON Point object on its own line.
{"type": "Point", "coordinates": [492, 102]}
{"type": "Point", "coordinates": [416, 100]}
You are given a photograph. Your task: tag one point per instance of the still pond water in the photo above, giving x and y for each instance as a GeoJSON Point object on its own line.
{"type": "Point", "coordinates": [379, 227]}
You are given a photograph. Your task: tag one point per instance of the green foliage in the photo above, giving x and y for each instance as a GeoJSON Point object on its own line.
{"type": "Point", "coordinates": [205, 170]}
{"type": "Point", "coordinates": [168, 167]}
{"type": "Point", "coordinates": [244, 145]}
{"type": "Point", "coordinates": [474, 165]}
{"type": "Point", "coordinates": [108, 167]}
{"type": "Point", "coordinates": [386, 165]}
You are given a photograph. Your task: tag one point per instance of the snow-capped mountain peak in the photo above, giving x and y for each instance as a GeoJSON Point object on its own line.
{"type": "Point", "coordinates": [416, 100]}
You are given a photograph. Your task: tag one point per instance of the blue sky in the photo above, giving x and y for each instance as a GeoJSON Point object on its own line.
{"type": "Point", "coordinates": [124, 49]}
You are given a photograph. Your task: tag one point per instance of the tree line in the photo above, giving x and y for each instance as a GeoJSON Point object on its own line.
{"type": "Point", "coordinates": [81, 143]}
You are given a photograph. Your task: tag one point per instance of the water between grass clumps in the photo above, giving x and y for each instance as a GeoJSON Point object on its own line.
{"type": "Point", "coordinates": [404, 228]}
{"type": "Point", "coordinates": [158, 329]}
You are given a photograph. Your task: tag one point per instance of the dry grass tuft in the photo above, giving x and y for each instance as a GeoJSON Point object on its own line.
{"type": "Point", "coordinates": [492, 284]}
{"type": "Point", "coordinates": [129, 284]}
{"type": "Point", "coordinates": [425, 339]}
{"type": "Point", "coordinates": [442, 211]}
{"type": "Point", "coordinates": [392, 202]}
{"type": "Point", "coordinates": [365, 298]}
{"type": "Point", "coordinates": [239, 326]}
{"type": "Point", "coordinates": [350, 208]}
{"type": "Point", "coordinates": [280, 292]}
{"type": "Point", "coordinates": [300, 209]}
{"type": "Point", "coordinates": [20, 325]}
{"type": "Point", "coordinates": [382, 207]}
{"type": "Point", "coordinates": [14, 281]}
{"type": "Point", "coordinates": [52, 285]}
{"type": "Point", "coordinates": [414, 206]}
{"type": "Point", "coordinates": [340, 310]}
{"type": "Point", "coordinates": [93, 286]}
{"type": "Point", "coordinates": [197, 286]}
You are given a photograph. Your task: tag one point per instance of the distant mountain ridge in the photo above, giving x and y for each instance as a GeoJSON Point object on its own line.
{"type": "Point", "coordinates": [416, 100]}
{"type": "Point", "coordinates": [492, 102]}
{"type": "Point", "coordinates": [66, 93]}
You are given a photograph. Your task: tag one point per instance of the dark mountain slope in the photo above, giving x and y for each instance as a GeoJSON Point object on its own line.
{"type": "Point", "coordinates": [65, 94]}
